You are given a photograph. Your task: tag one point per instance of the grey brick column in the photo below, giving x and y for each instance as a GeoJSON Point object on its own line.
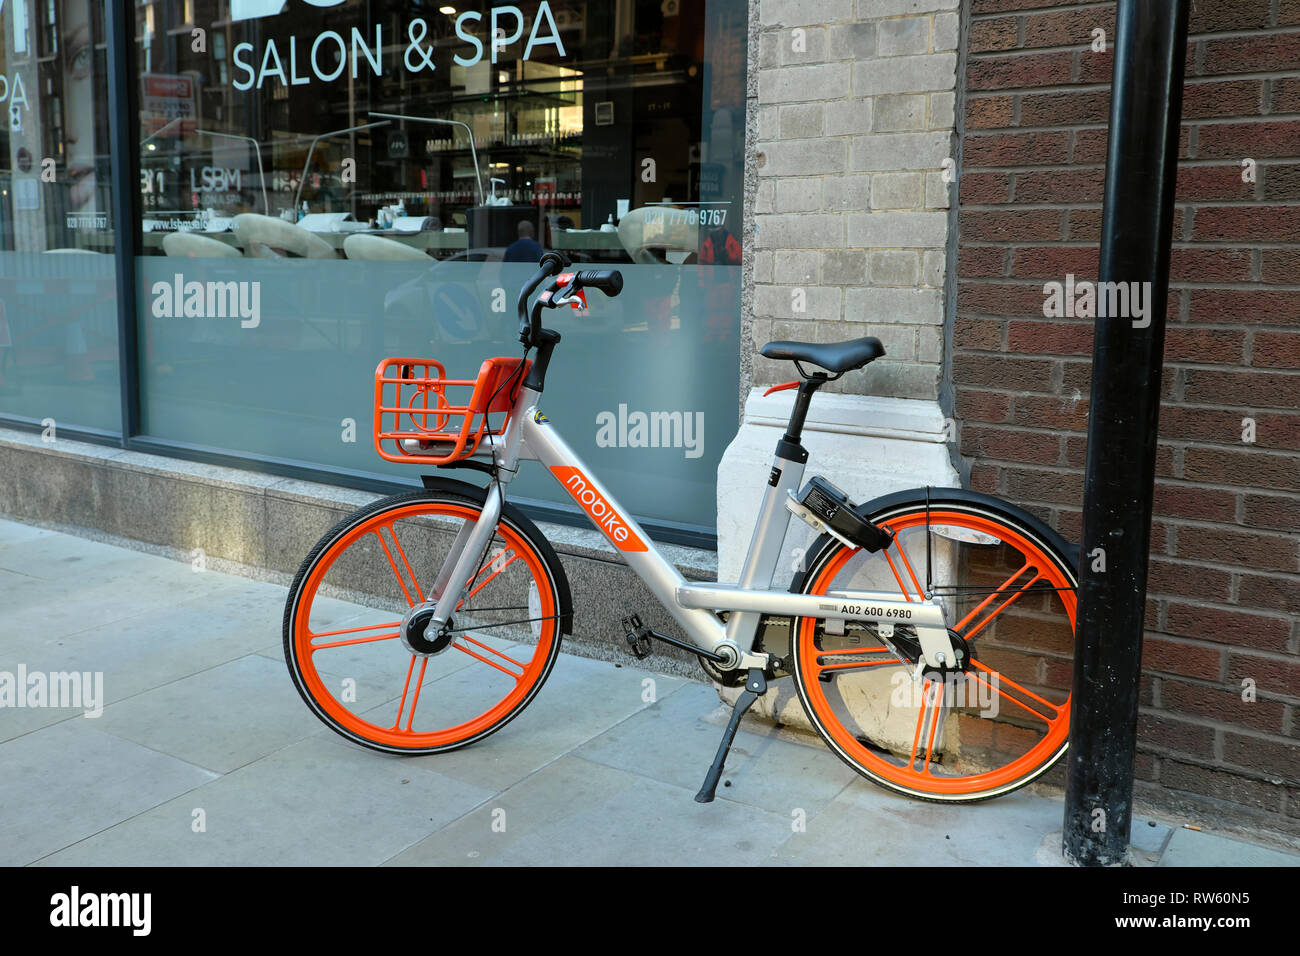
{"type": "Point", "coordinates": [853, 122]}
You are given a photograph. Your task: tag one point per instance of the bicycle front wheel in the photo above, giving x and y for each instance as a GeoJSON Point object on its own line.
{"type": "Point", "coordinates": [342, 624]}
{"type": "Point", "coordinates": [1008, 586]}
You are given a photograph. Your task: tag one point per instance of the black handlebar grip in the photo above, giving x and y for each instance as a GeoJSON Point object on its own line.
{"type": "Point", "coordinates": [608, 281]}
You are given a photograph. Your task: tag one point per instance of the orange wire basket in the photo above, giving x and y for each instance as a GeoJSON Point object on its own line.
{"type": "Point", "coordinates": [422, 416]}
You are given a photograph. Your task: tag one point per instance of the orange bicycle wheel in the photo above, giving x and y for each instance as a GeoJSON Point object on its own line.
{"type": "Point", "coordinates": [1001, 720]}
{"type": "Point", "coordinates": [343, 620]}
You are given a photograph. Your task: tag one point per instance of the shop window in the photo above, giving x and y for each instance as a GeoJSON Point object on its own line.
{"type": "Point", "coordinates": [58, 304]}
{"type": "Point", "coordinates": [379, 177]}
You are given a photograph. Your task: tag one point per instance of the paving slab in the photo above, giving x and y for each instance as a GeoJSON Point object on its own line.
{"type": "Point", "coordinates": [671, 741]}
{"type": "Point", "coordinates": [866, 825]}
{"type": "Point", "coordinates": [601, 768]}
{"type": "Point", "coordinates": [315, 803]}
{"type": "Point", "coordinates": [581, 699]}
{"type": "Point", "coordinates": [578, 813]}
{"type": "Point", "coordinates": [67, 782]}
{"type": "Point", "coordinates": [221, 718]}
{"type": "Point", "coordinates": [1199, 848]}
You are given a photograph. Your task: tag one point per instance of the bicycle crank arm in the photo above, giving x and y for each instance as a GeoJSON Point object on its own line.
{"type": "Point", "coordinates": [639, 635]}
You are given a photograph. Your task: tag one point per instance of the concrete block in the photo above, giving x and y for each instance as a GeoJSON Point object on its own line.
{"type": "Point", "coordinates": [798, 195]}
{"type": "Point", "coordinates": [869, 9]}
{"type": "Point", "coordinates": [795, 12]}
{"type": "Point", "coordinates": [945, 33]}
{"type": "Point", "coordinates": [887, 151]}
{"type": "Point", "coordinates": [897, 268]}
{"type": "Point", "coordinates": [895, 230]}
{"type": "Point", "coordinates": [797, 268]}
{"type": "Point", "coordinates": [937, 192]}
{"type": "Point", "coordinates": [852, 41]}
{"type": "Point", "coordinates": [846, 193]}
{"type": "Point", "coordinates": [844, 267]}
{"type": "Point", "coordinates": [921, 73]}
{"type": "Point", "coordinates": [801, 121]}
{"type": "Point", "coordinates": [850, 117]}
{"type": "Point", "coordinates": [897, 190]}
{"type": "Point", "coordinates": [803, 44]}
{"type": "Point", "coordinates": [807, 231]}
{"type": "Point", "coordinates": [897, 306]}
{"type": "Point", "coordinates": [803, 157]}
{"type": "Point", "coordinates": [942, 114]}
{"type": "Point", "coordinates": [933, 265]}
{"type": "Point", "coordinates": [903, 36]}
{"type": "Point", "coordinates": [794, 84]}
{"type": "Point", "coordinates": [798, 302]}
{"type": "Point", "coordinates": [901, 112]}
{"type": "Point", "coordinates": [929, 344]}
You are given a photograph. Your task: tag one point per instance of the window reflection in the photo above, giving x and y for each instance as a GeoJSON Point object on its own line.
{"type": "Point", "coordinates": [58, 316]}
{"type": "Point", "coordinates": [604, 126]}
{"type": "Point", "coordinates": [329, 182]}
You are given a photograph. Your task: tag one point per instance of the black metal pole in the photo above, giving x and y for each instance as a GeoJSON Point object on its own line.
{"type": "Point", "coordinates": [124, 148]}
{"type": "Point", "coordinates": [1128, 349]}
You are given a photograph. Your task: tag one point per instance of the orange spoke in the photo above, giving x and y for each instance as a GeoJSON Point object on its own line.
{"type": "Point", "coordinates": [920, 722]}
{"type": "Point", "coordinates": [356, 640]}
{"type": "Point", "coordinates": [912, 574]}
{"type": "Point", "coordinates": [393, 564]}
{"type": "Point", "coordinates": [852, 650]}
{"type": "Point", "coordinates": [353, 630]}
{"type": "Point", "coordinates": [897, 577]}
{"type": "Point", "coordinates": [490, 663]}
{"type": "Point", "coordinates": [1030, 694]}
{"type": "Point", "coordinates": [484, 583]}
{"type": "Point", "coordinates": [934, 725]}
{"type": "Point", "coordinates": [415, 701]}
{"type": "Point", "coordinates": [989, 600]}
{"type": "Point", "coordinates": [397, 545]}
{"type": "Point", "coordinates": [852, 664]}
{"type": "Point", "coordinates": [401, 705]}
{"type": "Point", "coordinates": [493, 650]}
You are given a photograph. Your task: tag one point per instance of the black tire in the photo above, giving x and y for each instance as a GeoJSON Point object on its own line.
{"type": "Point", "coordinates": [442, 492]}
{"type": "Point", "coordinates": [872, 759]}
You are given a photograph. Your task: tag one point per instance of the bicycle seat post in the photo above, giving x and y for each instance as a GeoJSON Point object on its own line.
{"type": "Point", "coordinates": [794, 430]}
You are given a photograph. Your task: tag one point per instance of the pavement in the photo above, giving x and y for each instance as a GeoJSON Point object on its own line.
{"type": "Point", "coordinates": [204, 754]}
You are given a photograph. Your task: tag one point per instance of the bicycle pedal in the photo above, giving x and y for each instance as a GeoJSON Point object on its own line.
{"type": "Point", "coordinates": [637, 636]}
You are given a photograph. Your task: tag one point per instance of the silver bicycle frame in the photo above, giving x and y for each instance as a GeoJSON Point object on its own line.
{"type": "Point", "coordinates": [529, 436]}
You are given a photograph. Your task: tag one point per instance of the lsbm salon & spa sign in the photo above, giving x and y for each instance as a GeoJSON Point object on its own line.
{"type": "Point", "coordinates": [325, 56]}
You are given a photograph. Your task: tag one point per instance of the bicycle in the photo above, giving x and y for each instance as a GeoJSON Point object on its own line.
{"type": "Point", "coordinates": [978, 659]}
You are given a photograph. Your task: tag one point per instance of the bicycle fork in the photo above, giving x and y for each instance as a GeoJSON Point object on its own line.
{"type": "Point", "coordinates": [462, 562]}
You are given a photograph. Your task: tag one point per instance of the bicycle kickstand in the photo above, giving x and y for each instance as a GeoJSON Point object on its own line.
{"type": "Point", "coordinates": [755, 687]}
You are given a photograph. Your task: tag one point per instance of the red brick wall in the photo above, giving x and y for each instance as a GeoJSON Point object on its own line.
{"type": "Point", "coordinates": [1225, 558]}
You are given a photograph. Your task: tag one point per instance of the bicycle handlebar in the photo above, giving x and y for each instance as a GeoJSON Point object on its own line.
{"type": "Point", "coordinates": [552, 263]}
{"type": "Point", "coordinates": [608, 281]}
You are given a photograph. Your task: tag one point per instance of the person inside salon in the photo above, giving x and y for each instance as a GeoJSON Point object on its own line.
{"type": "Point", "coordinates": [525, 248]}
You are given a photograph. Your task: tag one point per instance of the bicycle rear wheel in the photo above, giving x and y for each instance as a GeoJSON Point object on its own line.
{"type": "Point", "coordinates": [346, 605]}
{"type": "Point", "coordinates": [1008, 584]}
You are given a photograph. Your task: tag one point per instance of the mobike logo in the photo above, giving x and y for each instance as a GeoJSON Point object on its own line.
{"type": "Point", "coordinates": [598, 509]}
{"type": "Point", "coordinates": [256, 9]}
